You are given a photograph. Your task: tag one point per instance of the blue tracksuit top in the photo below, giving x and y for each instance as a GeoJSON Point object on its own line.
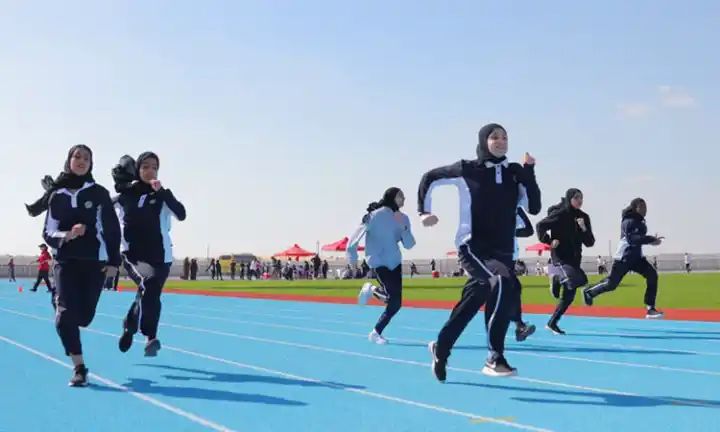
{"type": "Point", "coordinates": [382, 232]}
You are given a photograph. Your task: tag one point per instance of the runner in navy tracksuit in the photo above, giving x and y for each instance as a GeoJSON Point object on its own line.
{"type": "Point", "coordinates": [629, 256]}
{"type": "Point", "coordinates": [523, 229]}
{"type": "Point", "coordinates": [83, 231]}
{"type": "Point", "coordinates": [490, 188]}
{"type": "Point", "coordinates": [145, 209]}
{"type": "Point", "coordinates": [570, 229]}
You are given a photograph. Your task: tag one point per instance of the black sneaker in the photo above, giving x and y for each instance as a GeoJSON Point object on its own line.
{"type": "Point", "coordinates": [79, 378]}
{"type": "Point", "coordinates": [555, 287]}
{"type": "Point", "coordinates": [555, 329]}
{"type": "Point", "coordinates": [499, 368]}
{"type": "Point", "coordinates": [126, 341]}
{"type": "Point", "coordinates": [152, 347]}
{"type": "Point", "coordinates": [587, 297]}
{"type": "Point", "coordinates": [653, 313]}
{"type": "Point", "coordinates": [438, 366]}
{"type": "Point", "coordinates": [523, 331]}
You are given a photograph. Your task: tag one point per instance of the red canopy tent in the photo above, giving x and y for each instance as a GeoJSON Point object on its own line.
{"type": "Point", "coordinates": [340, 246]}
{"type": "Point", "coordinates": [294, 252]}
{"type": "Point", "coordinates": [538, 247]}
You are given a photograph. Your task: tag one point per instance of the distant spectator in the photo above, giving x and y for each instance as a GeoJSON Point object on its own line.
{"type": "Point", "coordinates": [212, 269]}
{"type": "Point", "coordinates": [218, 269]}
{"type": "Point", "coordinates": [11, 268]}
{"type": "Point", "coordinates": [186, 268]}
{"type": "Point", "coordinates": [193, 269]}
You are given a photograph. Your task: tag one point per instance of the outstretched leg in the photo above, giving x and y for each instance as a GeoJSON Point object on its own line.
{"type": "Point", "coordinates": [617, 273]}
{"type": "Point", "coordinates": [391, 283]}
{"type": "Point", "coordinates": [644, 268]}
{"type": "Point", "coordinates": [571, 279]}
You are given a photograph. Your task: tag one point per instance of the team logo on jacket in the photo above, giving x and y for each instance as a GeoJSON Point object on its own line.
{"type": "Point", "coordinates": [88, 204]}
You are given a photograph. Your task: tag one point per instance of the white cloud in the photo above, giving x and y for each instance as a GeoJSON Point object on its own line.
{"type": "Point", "coordinates": [634, 109]}
{"type": "Point", "coordinates": [672, 97]}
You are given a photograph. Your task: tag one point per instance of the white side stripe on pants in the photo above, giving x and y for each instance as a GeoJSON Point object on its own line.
{"type": "Point", "coordinates": [491, 274]}
{"type": "Point", "coordinates": [142, 290]}
{"type": "Point", "coordinates": [497, 301]}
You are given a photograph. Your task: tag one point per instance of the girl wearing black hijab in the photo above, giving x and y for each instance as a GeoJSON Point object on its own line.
{"type": "Point", "coordinates": [83, 231]}
{"type": "Point", "coordinates": [145, 209]}
{"type": "Point", "coordinates": [570, 230]}
{"type": "Point", "coordinates": [383, 226]}
{"type": "Point", "coordinates": [490, 188]}
{"type": "Point", "coordinates": [629, 256]}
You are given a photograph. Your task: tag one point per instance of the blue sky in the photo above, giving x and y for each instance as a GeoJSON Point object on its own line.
{"type": "Point", "coordinates": [276, 123]}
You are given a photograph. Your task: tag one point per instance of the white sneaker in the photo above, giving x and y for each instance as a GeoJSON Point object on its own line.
{"type": "Point", "coordinates": [653, 313]}
{"type": "Point", "coordinates": [375, 337]}
{"type": "Point", "coordinates": [365, 293]}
